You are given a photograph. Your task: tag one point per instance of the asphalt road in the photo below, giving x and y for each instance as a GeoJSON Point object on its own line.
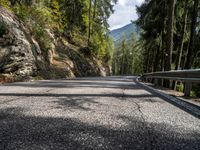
{"type": "Point", "coordinates": [92, 113]}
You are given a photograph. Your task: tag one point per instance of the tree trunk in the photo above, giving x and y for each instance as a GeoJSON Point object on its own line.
{"type": "Point", "coordinates": [89, 27]}
{"type": "Point", "coordinates": [156, 60]}
{"type": "Point", "coordinates": [122, 69]}
{"type": "Point", "coordinates": [147, 62]}
{"type": "Point", "coordinates": [95, 7]}
{"type": "Point", "coordinates": [169, 39]}
{"type": "Point", "coordinates": [192, 35]}
{"type": "Point", "coordinates": [163, 52]}
{"type": "Point", "coordinates": [180, 50]}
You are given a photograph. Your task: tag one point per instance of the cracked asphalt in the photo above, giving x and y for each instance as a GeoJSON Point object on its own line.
{"type": "Point", "coordinates": [112, 113]}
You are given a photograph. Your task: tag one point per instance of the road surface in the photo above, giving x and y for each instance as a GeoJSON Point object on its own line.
{"type": "Point", "coordinates": [110, 113]}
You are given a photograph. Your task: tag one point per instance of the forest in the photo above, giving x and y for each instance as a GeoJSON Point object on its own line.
{"type": "Point", "coordinates": [169, 30]}
{"type": "Point", "coordinates": [85, 20]}
{"type": "Point", "coordinates": [169, 39]}
{"type": "Point", "coordinates": [169, 35]}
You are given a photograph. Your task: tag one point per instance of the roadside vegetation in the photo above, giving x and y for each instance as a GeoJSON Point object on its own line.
{"type": "Point", "coordinates": [169, 40]}
{"type": "Point", "coordinates": [83, 21]}
{"type": "Point", "coordinates": [170, 33]}
{"type": "Point", "coordinates": [127, 57]}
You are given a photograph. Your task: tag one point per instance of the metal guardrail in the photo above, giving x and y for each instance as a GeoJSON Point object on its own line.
{"type": "Point", "coordinates": [186, 76]}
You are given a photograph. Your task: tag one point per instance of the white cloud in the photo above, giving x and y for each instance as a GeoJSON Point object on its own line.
{"type": "Point", "coordinates": [140, 1]}
{"type": "Point", "coordinates": [125, 11]}
{"type": "Point", "coordinates": [122, 2]}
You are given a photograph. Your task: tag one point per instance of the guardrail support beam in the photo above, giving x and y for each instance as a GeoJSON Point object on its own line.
{"type": "Point", "coordinates": [165, 78]}
{"type": "Point", "coordinates": [156, 82]}
{"type": "Point", "coordinates": [188, 87]}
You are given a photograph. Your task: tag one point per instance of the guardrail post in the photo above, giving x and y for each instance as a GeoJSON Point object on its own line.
{"type": "Point", "coordinates": [162, 82]}
{"type": "Point", "coordinates": [188, 87]}
{"type": "Point", "coordinates": [155, 81]}
{"type": "Point", "coordinates": [165, 78]}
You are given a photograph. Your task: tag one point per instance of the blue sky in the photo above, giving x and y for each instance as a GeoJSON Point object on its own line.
{"type": "Point", "coordinates": [125, 11]}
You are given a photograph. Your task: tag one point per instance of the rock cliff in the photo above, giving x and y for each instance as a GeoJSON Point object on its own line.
{"type": "Point", "coordinates": [22, 58]}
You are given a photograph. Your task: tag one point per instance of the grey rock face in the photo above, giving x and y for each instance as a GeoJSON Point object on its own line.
{"type": "Point", "coordinates": [18, 53]}
{"type": "Point", "coordinates": [22, 56]}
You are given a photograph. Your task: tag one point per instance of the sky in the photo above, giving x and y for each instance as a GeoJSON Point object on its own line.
{"type": "Point", "coordinates": [125, 11]}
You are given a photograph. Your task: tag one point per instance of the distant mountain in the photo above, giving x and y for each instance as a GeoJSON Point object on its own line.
{"type": "Point", "coordinates": [127, 30]}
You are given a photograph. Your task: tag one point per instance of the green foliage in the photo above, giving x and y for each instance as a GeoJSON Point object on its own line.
{"type": "Point", "coordinates": [73, 12]}
{"type": "Point", "coordinates": [42, 16]}
{"type": "Point", "coordinates": [38, 18]}
{"type": "Point", "coordinates": [127, 57]}
{"type": "Point", "coordinates": [42, 37]}
{"type": "Point", "coordinates": [22, 12]}
{"type": "Point", "coordinates": [152, 21]}
{"type": "Point", "coordinates": [70, 19]}
{"type": "Point", "coordinates": [56, 15]}
{"type": "Point", "coordinates": [195, 92]}
{"type": "Point", "coordinates": [162, 37]}
{"type": "Point", "coordinates": [4, 3]}
{"type": "Point", "coordinates": [180, 87]}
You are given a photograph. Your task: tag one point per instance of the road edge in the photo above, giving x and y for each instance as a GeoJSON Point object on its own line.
{"type": "Point", "coordinates": [184, 105]}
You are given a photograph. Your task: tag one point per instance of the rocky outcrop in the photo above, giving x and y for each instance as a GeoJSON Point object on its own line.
{"type": "Point", "coordinates": [21, 56]}
{"type": "Point", "coordinates": [18, 51]}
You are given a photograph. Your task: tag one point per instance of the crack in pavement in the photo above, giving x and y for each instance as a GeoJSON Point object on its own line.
{"type": "Point", "coordinates": [93, 118]}
{"type": "Point", "coordinates": [150, 141]}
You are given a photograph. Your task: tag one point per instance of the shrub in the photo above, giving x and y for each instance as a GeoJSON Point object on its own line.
{"type": "Point", "coordinates": [42, 16]}
{"type": "Point", "coordinates": [4, 3]}
{"type": "Point", "coordinates": [195, 92]}
{"type": "Point", "coordinates": [42, 37]}
{"type": "Point", "coordinates": [180, 87]}
{"type": "Point", "coordinates": [22, 12]}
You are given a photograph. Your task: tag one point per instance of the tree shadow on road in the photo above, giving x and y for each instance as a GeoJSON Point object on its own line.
{"type": "Point", "coordinates": [76, 103]}
{"type": "Point", "coordinates": [85, 102]}
{"type": "Point", "coordinates": [109, 82]}
{"type": "Point", "coordinates": [76, 95]}
{"type": "Point", "coordinates": [82, 84]}
{"type": "Point", "coordinates": [19, 131]}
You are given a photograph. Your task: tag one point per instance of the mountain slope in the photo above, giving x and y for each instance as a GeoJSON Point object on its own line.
{"type": "Point", "coordinates": [22, 57]}
{"type": "Point", "coordinates": [127, 30]}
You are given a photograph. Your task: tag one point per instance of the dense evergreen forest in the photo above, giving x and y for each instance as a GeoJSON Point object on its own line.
{"type": "Point", "coordinates": [127, 56]}
{"type": "Point", "coordinates": [170, 34]}
{"type": "Point", "coordinates": [169, 37]}
{"type": "Point", "coordinates": [169, 40]}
